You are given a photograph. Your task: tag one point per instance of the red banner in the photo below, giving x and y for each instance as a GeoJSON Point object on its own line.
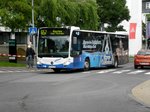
{"type": "Point", "coordinates": [132, 31]}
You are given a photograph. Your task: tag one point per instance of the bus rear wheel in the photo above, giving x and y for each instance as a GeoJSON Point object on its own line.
{"type": "Point", "coordinates": [86, 65]}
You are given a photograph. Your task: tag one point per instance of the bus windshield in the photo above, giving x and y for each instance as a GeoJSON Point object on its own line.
{"type": "Point", "coordinates": [53, 46]}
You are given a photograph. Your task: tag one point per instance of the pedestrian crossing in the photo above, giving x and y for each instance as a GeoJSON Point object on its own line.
{"type": "Point", "coordinates": [16, 70]}
{"type": "Point", "coordinates": [121, 71]}
{"type": "Point", "coordinates": [124, 71]}
{"type": "Point", "coordinates": [102, 71]}
{"type": "Point", "coordinates": [106, 71]}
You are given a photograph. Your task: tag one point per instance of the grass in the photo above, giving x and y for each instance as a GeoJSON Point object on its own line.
{"type": "Point", "coordinates": [10, 64]}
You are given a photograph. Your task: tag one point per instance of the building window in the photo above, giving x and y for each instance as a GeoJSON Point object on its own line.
{"type": "Point", "coordinates": [147, 5]}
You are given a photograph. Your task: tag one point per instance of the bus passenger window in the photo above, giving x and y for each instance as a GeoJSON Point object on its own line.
{"type": "Point", "coordinates": [76, 44]}
{"type": "Point", "coordinates": [74, 40]}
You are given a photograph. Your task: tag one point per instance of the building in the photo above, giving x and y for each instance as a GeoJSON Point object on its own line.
{"type": "Point", "coordinates": [21, 40]}
{"type": "Point", "coordinates": [135, 8]}
{"type": "Point", "coordinates": [145, 11]}
{"type": "Point", "coordinates": [145, 6]}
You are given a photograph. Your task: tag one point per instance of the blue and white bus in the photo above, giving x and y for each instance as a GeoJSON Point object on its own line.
{"type": "Point", "coordinates": [72, 48]}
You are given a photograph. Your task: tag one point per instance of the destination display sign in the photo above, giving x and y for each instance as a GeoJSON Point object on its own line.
{"type": "Point", "coordinates": [54, 32]}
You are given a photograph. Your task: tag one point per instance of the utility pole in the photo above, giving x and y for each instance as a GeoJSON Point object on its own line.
{"type": "Point", "coordinates": [33, 36]}
{"type": "Point", "coordinates": [33, 13]}
{"type": "Point", "coordinates": [30, 36]}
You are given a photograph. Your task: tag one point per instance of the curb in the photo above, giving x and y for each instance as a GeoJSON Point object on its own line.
{"type": "Point", "coordinates": [141, 93]}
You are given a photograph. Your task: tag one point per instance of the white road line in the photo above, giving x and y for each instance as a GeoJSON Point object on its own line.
{"type": "Point", "coordinates": [21, 71]}
{"type": "Point", "coordinates": [106, 71]}
{"type": "Point", "coordinates": [10, 71]}
{"type": "Point", "coordinates": [86, 72]}
{"type": "Point", "coordinates": [121, 71]}
{"type": "Point", "coordinates": [16, 71]}
{"type": "Point", "coordinates": [136, 72]}
{"type": "Point", "coordinates": [148, 73]}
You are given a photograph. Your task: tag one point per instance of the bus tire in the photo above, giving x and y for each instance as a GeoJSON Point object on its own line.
{"type": "Point", "coordinates": [116, 63]}
{"type": "Point", "coordinates": [86, 65]}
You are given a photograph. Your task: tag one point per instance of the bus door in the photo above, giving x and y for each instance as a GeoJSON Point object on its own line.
{"type": "Point", "coordinates": [76, 50]}
{"type": "Point", "coordinates": [107, 55]}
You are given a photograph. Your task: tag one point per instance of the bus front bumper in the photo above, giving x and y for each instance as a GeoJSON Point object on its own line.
{"type": "Point", "coordinates": [61, 66]}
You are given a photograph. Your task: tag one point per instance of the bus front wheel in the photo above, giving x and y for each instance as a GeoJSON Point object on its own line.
{"type": "Point", "coordinates": [86, 65]}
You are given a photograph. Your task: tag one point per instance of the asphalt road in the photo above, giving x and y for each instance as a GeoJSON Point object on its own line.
{"type": "Point", "coordinates": [100, 90]}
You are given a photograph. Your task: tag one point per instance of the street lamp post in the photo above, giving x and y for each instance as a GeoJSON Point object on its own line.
{"type": "Point", "coordinates": [33, 13]}
{"type": "Point", "coordinates": [33, 36]}
{"type": "Point", "coordinates": [30, 36]}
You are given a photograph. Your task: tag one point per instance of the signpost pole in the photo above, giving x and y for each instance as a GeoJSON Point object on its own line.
{"type": "Point", "coordinates": [33, 13]}
{"type": "Point", "coordinates": [32, 33]}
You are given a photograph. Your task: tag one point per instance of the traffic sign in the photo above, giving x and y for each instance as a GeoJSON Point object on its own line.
{"type": "Point", "coordinates": [32, 30]}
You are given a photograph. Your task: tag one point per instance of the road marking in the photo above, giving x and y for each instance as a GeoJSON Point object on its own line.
{"type": "Point", "coordinates": [22, 71]}
{"type": "Point", "coordinates": [121, 71]}
{"type": "Point", "coordinates": [16, 71]}
{"type": "Point", "coordinates": [136, 72]}
{"type": "Point", "coordinates": [106, 71]}
{"type": "Point", "coordinates": [86, 72]}
{"type": "Point", "coordinates": [114, 71]}
{"type": "Point", "coordinates": [148, 73]}
{"type": "Point", "coordinates": [10, 71]}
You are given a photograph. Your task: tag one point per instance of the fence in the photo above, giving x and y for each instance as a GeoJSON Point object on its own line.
{"type": "Point", "coordinates": [21, 51]}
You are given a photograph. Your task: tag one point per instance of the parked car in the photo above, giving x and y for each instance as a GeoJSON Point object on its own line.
{"type": "Point", "coordinates": [142, 58]}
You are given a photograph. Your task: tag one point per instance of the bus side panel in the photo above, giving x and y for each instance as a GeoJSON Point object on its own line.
{"type": "Point", "coordinates": [120, 48]}
{"type": "Point", "coordinates": [95, 60]}
{"type": "Point", "coordinates": [77, 62]}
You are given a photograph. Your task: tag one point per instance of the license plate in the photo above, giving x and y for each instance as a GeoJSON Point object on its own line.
{"type": "Point", "coordinates": [144, 63]}
{"type": "Point", "coordinates": [52, 66]}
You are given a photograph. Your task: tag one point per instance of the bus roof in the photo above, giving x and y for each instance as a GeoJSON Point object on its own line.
{"type": "Point", "coordinates": [117, 32]}
{"type": "Point", "coordinates": [67, 27]}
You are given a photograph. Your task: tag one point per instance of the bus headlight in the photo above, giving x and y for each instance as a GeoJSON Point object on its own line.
{"type": "Point", "coordinates": [38, 62]}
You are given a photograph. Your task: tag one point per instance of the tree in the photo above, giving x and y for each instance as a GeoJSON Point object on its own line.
{"type": "Point", "coordinates": [71, 12]}
{"type": "Point", "coordinates": [112, 12]}
{"type": "Point", "coordinates": [15, 14]}
{"type": "Point", "coordinates": [88, 14]}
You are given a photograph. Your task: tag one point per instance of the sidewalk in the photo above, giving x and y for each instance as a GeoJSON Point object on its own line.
{"type": "Point", "coordinates": [142, 93]}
